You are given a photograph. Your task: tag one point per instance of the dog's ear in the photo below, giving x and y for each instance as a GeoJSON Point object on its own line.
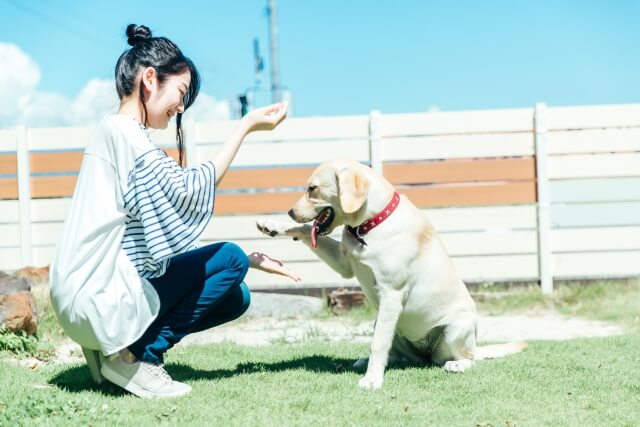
{"type": "Point", "coordinates": [353, 189]}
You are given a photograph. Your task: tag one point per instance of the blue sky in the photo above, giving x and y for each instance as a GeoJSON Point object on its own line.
{"type": "Point", "coordinates": [349, 57]}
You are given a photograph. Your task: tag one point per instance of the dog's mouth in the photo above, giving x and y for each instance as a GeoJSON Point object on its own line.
{"type": "Point", "coordinates": [321, 225]}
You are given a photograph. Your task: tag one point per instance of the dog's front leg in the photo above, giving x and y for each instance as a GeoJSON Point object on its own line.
{"type": "Point", "coordinates": [279, 228]}
{"type": "Point", "coordinates": [391, 303]}
{"type": "Point", "coordinates": [328, 248]}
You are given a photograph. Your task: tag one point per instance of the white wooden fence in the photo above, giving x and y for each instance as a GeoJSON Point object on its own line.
{"type": "Point", "coordinates": [565, 206]}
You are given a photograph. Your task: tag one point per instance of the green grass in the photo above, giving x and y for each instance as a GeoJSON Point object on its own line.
{"type": "Point", "coordinates": [584, 382]}
{"type": "Point", "coordinates": [612, 301]}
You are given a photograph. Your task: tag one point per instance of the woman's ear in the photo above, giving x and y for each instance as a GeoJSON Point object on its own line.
{"type": "Point", "coordinates": [353, 189]}
{"type": "Point", "coordinates": [149, 78]}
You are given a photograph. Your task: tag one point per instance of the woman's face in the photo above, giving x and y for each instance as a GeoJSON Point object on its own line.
{"type": "Point", "coordinates": [166, 100]}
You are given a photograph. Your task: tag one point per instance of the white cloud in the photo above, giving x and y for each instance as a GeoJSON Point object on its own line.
{"type": "Point", "coordinates": [206, 108]}
{"type": "Point", "coordinates": [19, 76]}
{"type": "Point", "coordinates": [43, 109]}
{"type": "Point", "coordinates": [97, 98]}
{"type": "Point", "coordinates": [22, 103]}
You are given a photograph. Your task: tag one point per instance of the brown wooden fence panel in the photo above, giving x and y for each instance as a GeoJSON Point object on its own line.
{"type": "Point", "coordinates": [259, 203]}
{"type": "Point", "coordinates": [471, 195]}
{"type": "Point", "coordinates": [266, 178]}
{"type": "Point", "coordinates": [8, 188]}
{"type": "Point", "coordinates": [65, 161]}
{"type": "Point", "coordinates": [8, 164]}
{"type": "Point", "coordinates": [460, 170]}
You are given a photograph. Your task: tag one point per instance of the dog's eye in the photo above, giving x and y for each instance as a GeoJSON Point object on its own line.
{"type": "Point", "coordinates": [312, 188]}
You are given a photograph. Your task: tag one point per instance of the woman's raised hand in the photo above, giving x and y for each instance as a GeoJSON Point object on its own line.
{"type": "Point", "coordinates": [266, 118]}
{"type": "Point", "coordinates": [265, 263]}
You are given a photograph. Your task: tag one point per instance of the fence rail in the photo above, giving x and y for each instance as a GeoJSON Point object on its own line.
{"type": "Point", "coordinates": [521, 194]}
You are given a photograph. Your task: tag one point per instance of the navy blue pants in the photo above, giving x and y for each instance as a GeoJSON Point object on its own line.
{"type": "Point", "coordinates": [201, 288]}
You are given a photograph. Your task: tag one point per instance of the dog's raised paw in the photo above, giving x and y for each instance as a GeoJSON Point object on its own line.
{"type": "Point", "coordinates": [271, 228]}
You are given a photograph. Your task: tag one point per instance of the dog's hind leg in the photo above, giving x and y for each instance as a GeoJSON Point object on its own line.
{"type": "Point", "coordinates": [402, 348]}
{"type": "Point", "coordinates": [402, 351]}
{"type": "Point", "coordinates": [455, 350]}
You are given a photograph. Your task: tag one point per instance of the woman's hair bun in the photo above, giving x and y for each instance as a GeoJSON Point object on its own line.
{"type": "Point", "coordinates": [137, 33]}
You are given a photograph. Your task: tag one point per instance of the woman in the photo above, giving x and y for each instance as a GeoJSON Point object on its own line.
{"type": "Point", "coordinates": [126, 282]}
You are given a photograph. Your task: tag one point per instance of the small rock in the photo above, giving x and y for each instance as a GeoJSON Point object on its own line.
{"type": "Point", "coordinates": [342, 300]}
{"type": "Point", "coordinates": [17, 306]}
{"type": "Point", "coordinates": [10, 285]}
{"type": "Point", "coordinates": [34, 275]}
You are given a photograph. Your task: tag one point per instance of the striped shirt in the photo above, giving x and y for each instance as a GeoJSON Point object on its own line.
{"type": "Point", "coordinates": [168, 208]}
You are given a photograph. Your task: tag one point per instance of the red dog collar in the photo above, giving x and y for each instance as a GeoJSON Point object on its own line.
{"type": "Point", "coordinates": [359, 231]}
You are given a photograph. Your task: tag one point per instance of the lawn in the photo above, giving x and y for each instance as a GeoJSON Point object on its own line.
{"type": "Point", "coordinates": [583, 382]}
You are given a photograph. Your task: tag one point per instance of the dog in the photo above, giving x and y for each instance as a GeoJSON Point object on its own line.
{"type": "Point", "coordinates": [424, 311]}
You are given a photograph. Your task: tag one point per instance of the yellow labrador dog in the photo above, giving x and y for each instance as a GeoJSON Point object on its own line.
{"type": "Point", "coordinates": [425, 313]}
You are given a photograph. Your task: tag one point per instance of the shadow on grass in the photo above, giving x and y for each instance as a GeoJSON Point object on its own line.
{"type": "Point", "coordinates": [314, 363]}
{"type": "Point", "coordinates": [77, 379]}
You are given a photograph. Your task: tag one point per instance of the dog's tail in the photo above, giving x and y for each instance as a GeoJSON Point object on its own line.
{"type": "Point", "coordinates": [498, 350]}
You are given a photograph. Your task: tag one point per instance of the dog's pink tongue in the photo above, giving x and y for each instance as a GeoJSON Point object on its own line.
{"type": "Point", "coordinates": [314, 234]}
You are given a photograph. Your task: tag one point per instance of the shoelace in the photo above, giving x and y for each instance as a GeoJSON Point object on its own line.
{"type": "Point", "coordinates": [157, 370]}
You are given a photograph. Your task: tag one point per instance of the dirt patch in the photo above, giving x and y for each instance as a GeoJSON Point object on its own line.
{"type": "Point", "coordinates": [277, 319]}
{"type": "Point", "coordinates": [264, 331]}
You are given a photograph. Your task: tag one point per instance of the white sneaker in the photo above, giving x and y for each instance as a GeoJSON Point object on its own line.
{"type": "Point", "coordinates": [141, 378]}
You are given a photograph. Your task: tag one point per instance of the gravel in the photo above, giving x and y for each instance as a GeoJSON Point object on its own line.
{"type": "Point", "coordinates": [274, 318]}
{"type": "Point", "coordinates": [286, 318]}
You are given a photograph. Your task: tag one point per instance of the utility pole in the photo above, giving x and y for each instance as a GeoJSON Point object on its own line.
{"type": "Point", "coordinates": [276, 87]}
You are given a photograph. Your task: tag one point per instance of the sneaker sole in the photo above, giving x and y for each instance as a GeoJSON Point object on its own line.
{"type": "Point", "coordinates": [133, 388]}
{"type": "Point", "coordinates": [94, 362]}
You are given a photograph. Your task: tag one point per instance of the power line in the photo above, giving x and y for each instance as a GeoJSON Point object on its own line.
{"type": "Point", "coordinates": [52, 21]}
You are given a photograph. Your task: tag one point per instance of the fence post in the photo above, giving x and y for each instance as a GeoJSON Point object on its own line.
{"type": "Point", "coordinates": [375, 141]}
{"type": "Point", "coordinates": [545, 267]}
{"type": "Point", "coordinates": [24, 195]}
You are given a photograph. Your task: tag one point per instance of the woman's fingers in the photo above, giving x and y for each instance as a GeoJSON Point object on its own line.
{"type": "Point", "coordinates": [270, 265]}
{"type": "Point", "coordinates": [271, 259]}
{"type": "Point", "coordinates": [273, 109]}
{"type": "Point", "coordinates": [269, 117]}
{"type": "Point", "coordinates": [278, 268]}
{"type": "Point", "coordinates": [286, 272]}
{"type": "Point", "coordinates": [275, 114]}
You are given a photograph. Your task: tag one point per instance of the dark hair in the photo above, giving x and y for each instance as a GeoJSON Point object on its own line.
{"type": "Point", "coordinates": [165, 57]}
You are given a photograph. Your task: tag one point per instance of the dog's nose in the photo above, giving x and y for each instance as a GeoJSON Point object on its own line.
{"type": "Point", "coordinates": [291, 214]}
